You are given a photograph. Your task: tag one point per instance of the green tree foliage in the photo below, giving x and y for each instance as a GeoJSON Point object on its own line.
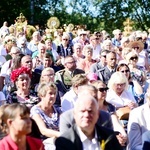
{"type": "Point", "coordinates": [96, 14]}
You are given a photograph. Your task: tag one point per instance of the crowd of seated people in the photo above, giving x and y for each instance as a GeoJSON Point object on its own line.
{"type": "Point", "coordinates": [65, 92]}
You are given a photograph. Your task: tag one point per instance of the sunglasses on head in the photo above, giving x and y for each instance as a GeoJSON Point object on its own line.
{"type": "Point", "coordinates": [134, 58]}
{"type": "Point", "coordinates": [103, 89]}
{"type": "Point", "coordinates": [125, 71]}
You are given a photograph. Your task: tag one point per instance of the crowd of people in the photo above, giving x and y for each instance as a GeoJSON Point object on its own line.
{"type": "Point", "coordinates": [88, 91]}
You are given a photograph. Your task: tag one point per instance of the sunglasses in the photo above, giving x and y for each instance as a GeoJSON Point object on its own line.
{"type": "Point", "coordinates": [65, 39]}
{"type": "Point", "coordinates": [82, 34]}
{"type": "Point", "coordinates": [125, 71]}
{"type": "Point", "coordinates": [134, 58]}
{"type": "Point", "coordinates": [135, 47]}
{"type": "Point", "coordinates": [103, 89]}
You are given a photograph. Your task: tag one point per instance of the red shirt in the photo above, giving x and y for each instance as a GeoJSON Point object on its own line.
{"type": "Point", "coordinates": [8, 144]}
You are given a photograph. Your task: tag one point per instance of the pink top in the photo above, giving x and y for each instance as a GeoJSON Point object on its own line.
{"type": "Point", "coordinates": [8, 144]}
{"type": "Point", "coordinates": [85, 65]}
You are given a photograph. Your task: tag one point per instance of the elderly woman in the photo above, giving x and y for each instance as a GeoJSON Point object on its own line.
{"type": "Point", "coordinates": [38, 56]}
{"type": "Point", "coordinates": [103, 105]}
{"type": "Point", "coordinates": [86, 63]}
{"type": "Point", "coordinates": [77, 49]}
{"type": "Point", "coordinates": [33, 44]}
{"type": "Point", "coordinates": [45, 114]}
{"type": "Point", "coordinates": [107, 44]}
{"type": "Point", "coordinates": [16, 123]}
{"type": "Point", "coordinates": [134, 87]}
{"type": "Point", "coordinates": [21, 78]}
{"type": "Point", "coordinates": [136, 72]}
{"type": "Point", "coordinates": [118, 95]}
{"type": "Point", "coordinates": [138, 47]}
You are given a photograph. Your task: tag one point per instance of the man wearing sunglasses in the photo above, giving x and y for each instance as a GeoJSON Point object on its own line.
{"type": "Point", "coordinates": [105, 73]}
{"type": "Point", "coordinates": [102, 62]}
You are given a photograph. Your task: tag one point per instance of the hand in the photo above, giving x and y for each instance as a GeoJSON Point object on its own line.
{"type": "Point", "coordinates": [122, 139]}
{"type": "Point", "coordinates": [132, 105]}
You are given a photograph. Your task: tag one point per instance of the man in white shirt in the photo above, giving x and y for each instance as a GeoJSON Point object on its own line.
{"type": "Point", "coordinates": [85, 134]}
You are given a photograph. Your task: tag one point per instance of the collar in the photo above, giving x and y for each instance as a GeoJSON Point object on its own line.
{"type": "Point", "coordinates": [83, 137]}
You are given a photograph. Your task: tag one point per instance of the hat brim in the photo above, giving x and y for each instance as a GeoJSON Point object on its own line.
{"type": "Point", "coordinates": [135, 44]}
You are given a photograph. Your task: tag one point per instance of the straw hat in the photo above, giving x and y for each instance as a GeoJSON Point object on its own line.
{"type": "Point", "coordinates": [136, 44]}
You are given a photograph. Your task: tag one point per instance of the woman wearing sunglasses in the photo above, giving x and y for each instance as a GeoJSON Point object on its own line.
{"type": "Point", "coordinates": [136, 72]}
{"type": "Point", "coordinates": [103, 105]}
{"type": "Point", "coordinates": [134, 87]}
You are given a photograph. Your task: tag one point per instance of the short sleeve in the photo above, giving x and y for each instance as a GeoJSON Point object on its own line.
{"type": "Point", "coordinates": [35, 110]}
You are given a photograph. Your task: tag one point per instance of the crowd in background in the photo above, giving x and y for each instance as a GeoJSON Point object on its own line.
{"type": "Point", "coordinates": [46, 81]}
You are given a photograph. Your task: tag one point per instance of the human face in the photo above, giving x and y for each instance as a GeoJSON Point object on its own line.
{"type": "Point", "coordinates": [23, 82]}
{"type": "Point", "coordinates": [86, 115]}
{"type": "Point", "coordinates": [103, 58]}
{"type": "Point", "coordinates": [118, 35]}
{"type": "Point", "coordinates": [102, 91]}
{"type": "Point", "coordinates": [119, 88]}
{"type": "Point", "coordinates": [26, 62]}
{"type": "Point", "coordinates": [48, 76]}
{"type": "Point", "coordinates": [78, 50]}
{"type": "Point", "coordinates": [95, 40]}
{"type": "Point", "coordinates": [88, 53]}
{"type": "Point", "coordinates": [65, 41]}
{"type": "Point", "coordinates": [48, 44]}
{"type": "Point", "coordinates": [108, 46]}
{"type": "Point", "coordinates": [133, 59]}
{"type": "Point", "coordinates": [125, 70]}
{"type": "Point", "coordinates": [70, 64]}
{"type": "Point", "coordinates": [47, 62]}
{"type": "Point", "coordinates": [50, 97]}
{"type": "Point", "coordinates": [42, 49]}
{"type": "Point", "coordinates": [21, 124]}
{"type": "Point", "coordinates": [83, 36]}
{"type": "Point", "coordinates": [111, 60]}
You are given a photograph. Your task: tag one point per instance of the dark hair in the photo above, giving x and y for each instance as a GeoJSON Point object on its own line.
{"type": "Point", "coordinates": [104, 50]}
{"type": "Point", "coordinates": [123, 65]}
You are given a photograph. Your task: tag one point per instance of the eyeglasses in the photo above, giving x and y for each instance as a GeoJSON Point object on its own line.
{"type": "Point", "coordinates": [135, 47]}
{"type": "Point", "coordinates": [103, 89]}
{"type": "Point", "coordinates": [96, 39]}
{"type": "Point", "coordinates": [65, 39]}
{"type": "Point", "coordinates": [120, 85]}
{"type": "Point", "coordinates": [98, 35]}
{"type": "Point", "coordinates": [125, 71]}
{"type": "Point", "coordinates": [82, 34]}
{"type": "Point", "coordinates": [134, 58]}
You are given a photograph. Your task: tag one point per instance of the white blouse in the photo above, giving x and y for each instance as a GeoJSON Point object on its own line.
{"type": "Point", "coordinates": [120, 101]}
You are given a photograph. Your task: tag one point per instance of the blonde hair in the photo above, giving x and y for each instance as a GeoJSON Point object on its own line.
{"type": "Point", "coordinates": [87, 47]}
{"type": "Point", "coordinates": [44, 87]}
{"type": "Point", "coordinates": [79, 79]}
{"type": "Point", "coordinates": [117, 78]}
